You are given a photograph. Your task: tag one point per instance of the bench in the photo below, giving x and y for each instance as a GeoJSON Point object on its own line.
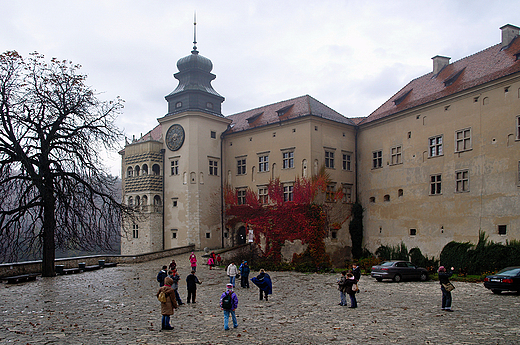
{"type": "Point", "coordinates": [21, 278]}
{"type": "Point", "coordinates": [92, 268]}
{"type": "Point", "coordinates": [71, 270]}
{"type": "Point", "coordinates": [111, 264]}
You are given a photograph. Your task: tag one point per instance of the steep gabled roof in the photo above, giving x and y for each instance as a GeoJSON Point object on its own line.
{"type": "Point", "coordinates": [474, 70]}
{"type": "Point", "coordinates": [283, 111]}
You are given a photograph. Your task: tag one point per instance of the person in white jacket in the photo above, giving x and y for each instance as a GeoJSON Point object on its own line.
{"type": "Point", "coordinates": [232, 272]}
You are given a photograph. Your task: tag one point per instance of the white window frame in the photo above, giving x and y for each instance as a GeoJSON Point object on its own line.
{"type": "Point", "coordinates": [241, 166]}
{"type": "Point", "coordinates": [435, 146]}
{"type": "Point", "coordinates": [330, 192]}
{"type": "Point", "coordinates": [377, 159]}
{"type": "Point", "coordinates": [263, 163]}
{"type": "Point", "coordinates": [174, 167]}
{"type": "Point", "coordinates": [213, 166]}
{"type": "Point", "coordinates": [135, 230]}
{"type": "Point", "coordinates": [347, 161]}
{"type": "Point", "coordinates": [436, 184]}
{"type": "Point", "coordinates": [241, 196]}
{"type": "Point", "coordinates": [518, 127]}
{"type": "Point", "coordinates": [347, 193]}
{"type": "Point", "coordinates": [463, 140]}
{"type": "Point", "coordinates": [263, 195]}
{"type": "Point", "coordinates": [329, 159]}
{"type": "Point", "coordinates": [288, 160]}
{"type": "Point", "coordinates": [288, 192]}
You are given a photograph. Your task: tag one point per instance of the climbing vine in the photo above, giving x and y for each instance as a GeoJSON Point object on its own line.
{"type": "Point", "coordinates": [281, 220]}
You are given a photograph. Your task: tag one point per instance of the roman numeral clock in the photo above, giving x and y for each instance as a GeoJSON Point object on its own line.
{"type": "Point", "coordinates": [175, 137]}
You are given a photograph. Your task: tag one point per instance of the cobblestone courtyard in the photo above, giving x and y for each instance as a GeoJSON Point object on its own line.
{"type": "Point", "coordinates": [118, 306]}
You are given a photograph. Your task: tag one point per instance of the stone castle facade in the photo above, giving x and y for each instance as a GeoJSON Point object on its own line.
{"type": "Point", "coordinates": [439, 161]}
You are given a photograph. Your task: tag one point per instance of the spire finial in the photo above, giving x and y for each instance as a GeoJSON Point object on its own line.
{"type": "Point", "coordinates": [194, 51]}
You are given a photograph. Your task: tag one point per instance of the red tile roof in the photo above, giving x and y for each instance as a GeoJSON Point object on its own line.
{"type": "Point", "coordinates": [474, 70]}
{"type": "Point", "coordinates": [283, 111]}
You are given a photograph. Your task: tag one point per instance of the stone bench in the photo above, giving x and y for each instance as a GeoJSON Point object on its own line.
{"type": "Point", "coordinates": [21, 278]}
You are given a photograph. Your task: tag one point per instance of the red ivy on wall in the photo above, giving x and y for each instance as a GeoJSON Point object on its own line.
{"type": "Point", "coordinates": [282, 220]}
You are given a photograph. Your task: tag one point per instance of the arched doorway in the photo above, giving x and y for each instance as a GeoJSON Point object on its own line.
{"type": "Point", "coordinates": [241, 235]}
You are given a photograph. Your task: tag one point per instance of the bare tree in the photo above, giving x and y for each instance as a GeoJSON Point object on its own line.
{"type": "Point", "coordinates": [54, 191]}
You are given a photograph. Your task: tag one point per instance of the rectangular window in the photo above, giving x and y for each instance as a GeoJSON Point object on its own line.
{"type": "Point", "coordinates": [241, 166]}
{"type": "Point", "coordinates": [241, 196]}
{"type": "Point", "coordinates": [208, 234]}
{"type": "Point", "coordinates": [135, 231]}
{"type": "Point", "coordinates": [263, 196]}
{"type": "Point", "coordinates": [435, 146]}
{"type": "Point", "coordinates": [174, 233]}
{"type": "Point", "coordinates": [288, 160]}
{"type": "Point", "coordinates": [288, 193]}
{"type": "Point", "coordinates": [396, 155]}
{"type": "Point", "coordinates": [518, 126]}
{"type": "Point", "coordinates": [462, 181]}
{"type": "Point", "coordinates": [330, 193]}
{"type": "Point", "coordinates": [263, 163]}
{"type": "Point", "coordinates": [463, 140]}
{"type": "Point", "coordinates": [329, 159]}
{"type": "Point", "coordinates": [413, 232]}
{"type": "Point", "coordinates": [347, 193]}
{"type": "Point", "coordinates": [175, 201]}
{"type": "Point", "coordinates": [347, 161]}
{"type": "Point", "coordinates": [213, 135]}
{"type": "Point", "coordinates": [435, 184]}
{"type": "Point", "coordinates": [377, 159]}
{"type": "Point", "coordinates": [175, 167]}
{"type": "Point", "coordinates": [213, 167]}
{"type": "Point", "coordinates": [502, 229]}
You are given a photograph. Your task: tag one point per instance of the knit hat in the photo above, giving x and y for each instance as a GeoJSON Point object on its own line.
{"type": "Point", "coordinates": [442, 269]}
{"type": "Point", "coordinates": [229, 286]}
{"type": "Point", "coordinates": [168, 281]}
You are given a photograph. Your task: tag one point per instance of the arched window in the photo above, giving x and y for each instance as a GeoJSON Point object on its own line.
{"type": "Point", "coordinates": [144, 170]}
{"type": "Point", "coordinates": [137, 170]}
{"type": "Point", "coordinates": [157, 200]}
{"type": "Point", "coordinates": [130, 172]}
{"type": "Point", "coordinates": [304, 168]}
{"type": "Point", "coordinates": [130, 201]}
{"type": "Point", "coordinates": [145, 200]}
{"type": "Point", "coordinates": [137, 201]}
{"type": "Point", "coordinates": [156, 169]}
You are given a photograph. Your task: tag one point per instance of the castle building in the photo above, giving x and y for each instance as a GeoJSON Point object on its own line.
{"type": "Point", "coordinates": [439, 161]}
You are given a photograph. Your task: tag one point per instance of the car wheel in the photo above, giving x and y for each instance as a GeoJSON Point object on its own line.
{"type": "Point", "coordinates": [397, 278]}
{"type": "Point", "coordinates": [497, 292]}
{"type": "Point", "coordinates": [424, 277]}
{"type": "Point", "coordinates": [379, 279]}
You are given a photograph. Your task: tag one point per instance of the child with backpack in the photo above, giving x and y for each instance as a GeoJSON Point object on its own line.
{"type": "Point", "coordinates": [228, 303]}
{"type": "Point", "coordinates": [166, 295]}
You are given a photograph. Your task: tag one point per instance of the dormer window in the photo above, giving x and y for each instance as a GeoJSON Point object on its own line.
{"type": "Point", "coordinates": [254, 117]}
{"type": "Point", "coordinates": [399, 100]}
{"type": "Point", "coordinates": [178, 105]}
{"type": "Point", "coordinates": [284, 110]}
{"type": "Point", "coordinates": [453, 78]}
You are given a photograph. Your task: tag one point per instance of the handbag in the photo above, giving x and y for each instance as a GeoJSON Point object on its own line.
{"type": "Point", "coordinates": [355, 288]}
{"type": "Point", "coordinates": [448, 287]}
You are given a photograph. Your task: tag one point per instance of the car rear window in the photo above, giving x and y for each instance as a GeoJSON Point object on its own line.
{"type": "Point", "coordinates": [509, 272]}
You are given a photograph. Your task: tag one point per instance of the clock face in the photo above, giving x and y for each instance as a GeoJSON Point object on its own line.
{"type": "Point", "coordinates": [175, 137]}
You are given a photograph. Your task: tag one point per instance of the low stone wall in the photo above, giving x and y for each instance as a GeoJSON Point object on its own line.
{"type": "Point", "coordinates": [17, 268]}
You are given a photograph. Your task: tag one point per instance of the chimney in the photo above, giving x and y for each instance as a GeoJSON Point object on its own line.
{"type": "Point", "coordinates": [439, 62]}
{"type": "Point", "coordinates": [509, 33]}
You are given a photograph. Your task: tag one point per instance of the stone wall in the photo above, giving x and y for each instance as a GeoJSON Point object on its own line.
{"type": "Point", "coordinates": [17, 268]}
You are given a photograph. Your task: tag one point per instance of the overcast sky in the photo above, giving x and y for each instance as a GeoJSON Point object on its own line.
{"type": "Point", "coordinates": [350, 55]}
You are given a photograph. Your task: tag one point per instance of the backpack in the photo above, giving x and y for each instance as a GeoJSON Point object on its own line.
{"type": "Point", "coordinates": [227, 302]}
{"type": "Point", "coordinates": [162, 297]}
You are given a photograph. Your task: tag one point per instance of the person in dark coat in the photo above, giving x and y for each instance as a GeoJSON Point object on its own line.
{"type": "Point", "coordinates": [264, 283]}
{"type": "Point", "coordinates": [356, 271]}
{"type": "Point", "coordinates": [342, 287]}
{"type": "Point", "coordinates": [170, 304]}
{"type": "Point", "coordinates": [444, 278]}
{"type": "Point", "coordinates": [176, 277]}
{"type": "Point", "coordinates": [161, 275]}
{"type": "Point", "coordinates": [349, 283]}
{"type": "Point", "coordinates": [191, 283]}
{"type": "Point", "coordinates": [244, 275]}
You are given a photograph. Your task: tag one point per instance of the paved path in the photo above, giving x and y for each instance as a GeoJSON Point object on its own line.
{"type": "Point", "coordinates": [118, 306]}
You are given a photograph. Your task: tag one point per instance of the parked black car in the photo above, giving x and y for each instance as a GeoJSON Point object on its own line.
{"type": "Point", "coordinates": [398, 270]}
{"type": "Point", "coordinates": [507, 279]}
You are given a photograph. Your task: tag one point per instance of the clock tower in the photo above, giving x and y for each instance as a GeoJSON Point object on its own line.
{"type": "Point", "coordinates": [192, 130]}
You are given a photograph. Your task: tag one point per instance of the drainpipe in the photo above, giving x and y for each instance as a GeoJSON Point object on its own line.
{"type": "Point", "coordinates": [356, 160]}
{"type": "Point", "coordinates": [221, 191]}
{"type": "Point", "coordinates": [163, 201]}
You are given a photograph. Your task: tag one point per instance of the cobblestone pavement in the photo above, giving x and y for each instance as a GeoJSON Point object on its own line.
{"type": "Point", "coordinates": [118, 306]}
